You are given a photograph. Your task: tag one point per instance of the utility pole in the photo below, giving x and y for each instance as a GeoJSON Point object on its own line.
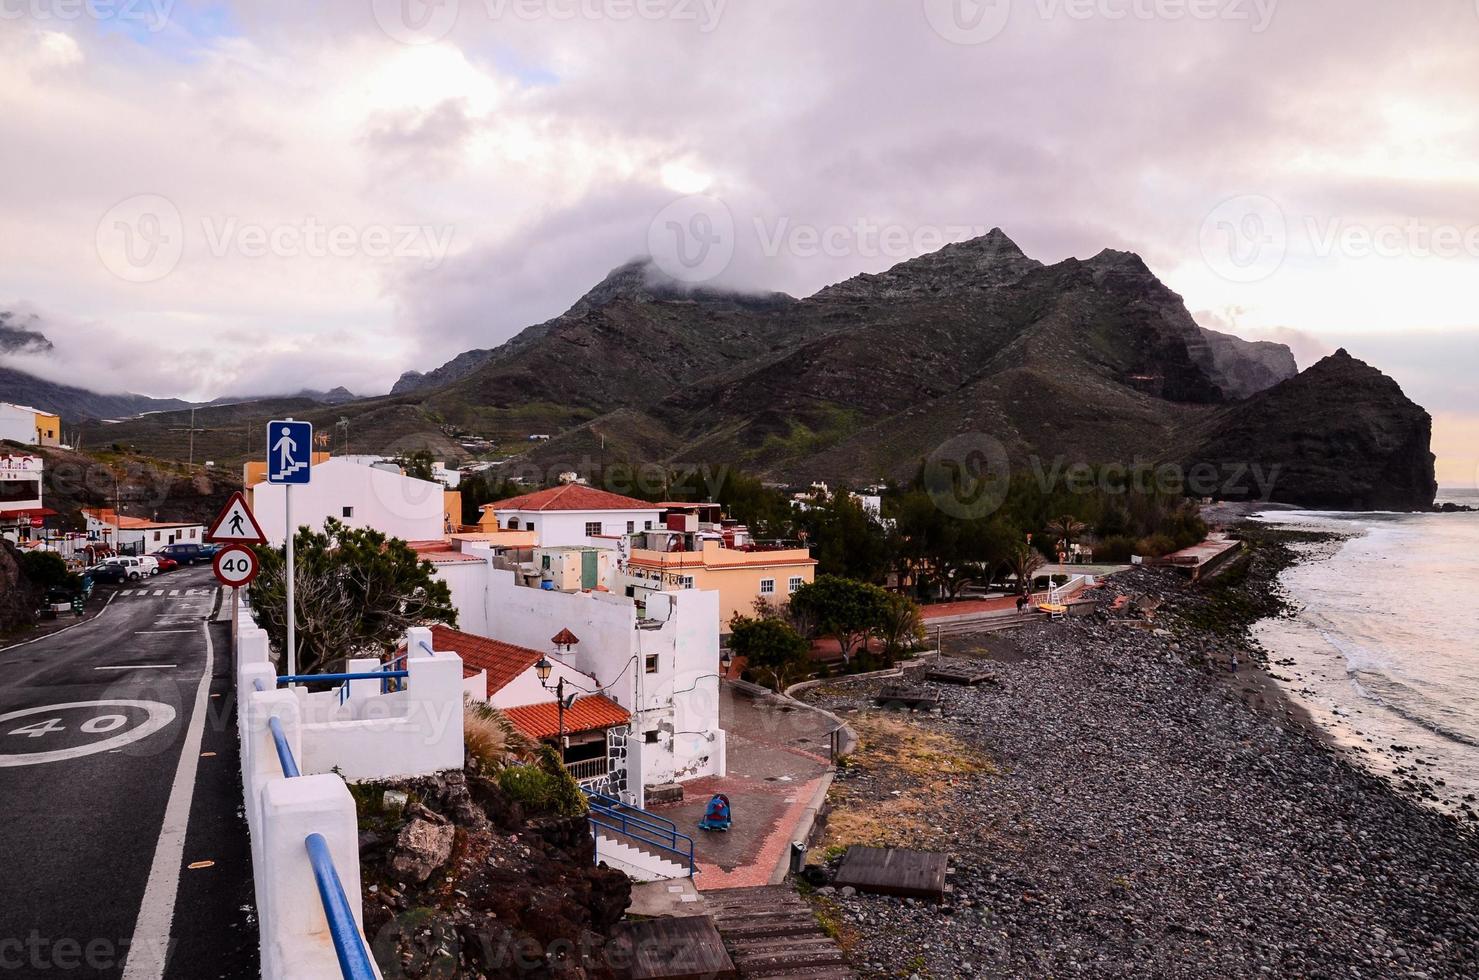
{"type": "Point", "coordinates": [192, 430]}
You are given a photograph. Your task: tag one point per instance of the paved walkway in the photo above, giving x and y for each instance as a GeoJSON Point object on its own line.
{"type": "Point", "coordinates": [777, 764]}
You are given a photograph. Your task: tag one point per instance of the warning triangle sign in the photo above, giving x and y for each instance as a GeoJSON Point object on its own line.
{"type": "Point", "coordinates": [236, 524]}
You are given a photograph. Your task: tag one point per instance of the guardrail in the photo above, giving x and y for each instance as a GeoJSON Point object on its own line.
{"type": "Point", "coordinates": [349, 945]}
{"type": "Point", "coordinates": [641, 827]}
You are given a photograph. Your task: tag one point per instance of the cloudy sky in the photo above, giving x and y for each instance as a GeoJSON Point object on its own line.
{"type": "Point", "coordinates": [205, 199]}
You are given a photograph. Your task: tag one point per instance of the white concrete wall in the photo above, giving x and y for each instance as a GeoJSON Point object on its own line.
{"type": "Point", "coordinates": [368, 735]}
{"type": "Point", "coordinates": [17, 424]}
{"type": "Point", "coordinates": [400, 506]}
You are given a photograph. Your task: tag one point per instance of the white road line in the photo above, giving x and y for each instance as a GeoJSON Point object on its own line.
{"type": "Point", "coordinates": [149, 950]}
{"type": "Point", "coordinates": [155, 632]}
{"type": "Point", "coordinates": [139, 666]}
{"type": "Point", "coordinates": [174, 591]}
{"type": "Point", "coordinates": [159, 592]}
{"type": "Point", "coordinates": [47, 636]}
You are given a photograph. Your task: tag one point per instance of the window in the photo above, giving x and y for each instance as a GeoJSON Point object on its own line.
{"type": "Point", "coordinates": [513, 523]}
{"type": "Point", "coordinates": [794, 584]}
{"type": "Point", "coordinates": [652, 663]}
{"type": "Point", "coordinates": [651, 737]}
{"type": "Point", "coordinates": [592, 528]}
{"type": "Point", "coordinates": [648, 525]}
{"type": "Point", "coordinates": [631, 527]}
{"type": "Point", "coordinates": [767, 586]}
{"type": "Point", "coordinates": [156, 535]}
{"type": "Point", "coordinates": [348, 511]}
{"type": "Point", "coordinates": [686, 581]}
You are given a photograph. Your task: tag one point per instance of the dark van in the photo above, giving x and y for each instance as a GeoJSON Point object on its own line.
{"type": "Point", "coordinates": [185, 554]}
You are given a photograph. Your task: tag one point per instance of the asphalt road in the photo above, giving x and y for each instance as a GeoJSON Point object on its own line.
{"type": "Point", "coordinates": [125, 853]}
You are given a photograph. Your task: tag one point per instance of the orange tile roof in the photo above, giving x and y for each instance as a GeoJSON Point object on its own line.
{"type": "Point", "coordinates": [502, 661]}
{"type": "Point", "coordinates": [587, 714]}
{"type": "Point", "coordinates": [108, 516]}
{"type": "Point", "coordinates": [571, 496]}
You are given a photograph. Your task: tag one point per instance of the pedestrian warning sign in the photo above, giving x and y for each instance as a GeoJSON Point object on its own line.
{"type": "Point", "coordinates": [235, 524]}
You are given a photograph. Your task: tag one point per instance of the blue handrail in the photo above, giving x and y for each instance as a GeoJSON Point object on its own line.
{"type": "Point", "coordinates": [643, 831]}
{"type": "Point", "coordinates": [612, 803]}
{"type": "Point", "coordinates": [349, 945]}
{"type": "Point", "coordinates": [310, 678]}
{"type": "Point", "coordinates": [284, 751]}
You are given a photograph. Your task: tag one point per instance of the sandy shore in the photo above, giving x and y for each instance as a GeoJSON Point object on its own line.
{"type": "Point", "coordinates": [1117, 803]}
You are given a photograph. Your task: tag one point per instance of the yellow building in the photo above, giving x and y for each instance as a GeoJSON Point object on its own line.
{"type": "Point", "coordinates": [29, 426]}
{"type": "Point", "coordinates": [48, 429]}
{"type": "Point", "coordinates": [740, 575]}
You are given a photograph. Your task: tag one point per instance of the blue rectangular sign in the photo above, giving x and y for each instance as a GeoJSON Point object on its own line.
{"type": "Point", "coordinates": [289, 451]}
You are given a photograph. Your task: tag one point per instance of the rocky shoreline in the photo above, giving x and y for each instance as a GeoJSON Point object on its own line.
{"type": "Point", "coordinates": [1117, 802]}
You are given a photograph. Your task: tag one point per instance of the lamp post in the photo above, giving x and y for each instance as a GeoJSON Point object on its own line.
{"type": "Point", "coordinates": [563, 641]}
{"type": "Point", "coordinates": [726, 659]}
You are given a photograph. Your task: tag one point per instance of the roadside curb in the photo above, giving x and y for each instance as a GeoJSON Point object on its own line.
{"type": "Point", "coordinates": [804, 826]}
{"type": "Point", "coordinates": [81, 622]}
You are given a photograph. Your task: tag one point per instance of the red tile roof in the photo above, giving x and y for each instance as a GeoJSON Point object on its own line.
{"type": "Point", "coordinates": [502, 661]}
{"type": "Point", "coordinates": [571, 496]}
{"type": "Point", "coordinates": [564, 638]}
{"type": "Point", "coordinates": [587, 714]}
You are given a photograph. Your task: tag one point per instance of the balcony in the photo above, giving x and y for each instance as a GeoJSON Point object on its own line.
{"type": "Point", "coordinates": [589, 770]}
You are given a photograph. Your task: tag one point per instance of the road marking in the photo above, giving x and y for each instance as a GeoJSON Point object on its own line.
{"type": "Point", "coordinates": [149, 950]}
{"type": "Point", "coordinates": [159, 715]}
{"type": "Point", "coordinates": [159, 592]}
{"type": "Point", "coordinates": [174, 592]}
{"type": "Point", "coordinates": [157, 632]}
{"type": "Point", "coordinates": [197, 865]}
{"type": "Point", "coordinates": [138, 667]}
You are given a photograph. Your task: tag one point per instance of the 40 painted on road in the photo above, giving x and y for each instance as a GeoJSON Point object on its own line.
{"type": "Point", "coordinates": [57, 732]}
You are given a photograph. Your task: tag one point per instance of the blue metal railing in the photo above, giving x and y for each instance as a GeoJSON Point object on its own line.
{"type": "Point", "coordinates": [641, 827]}
{"type": "Point", "coordinates": [349, 946]}
{"type": "Point", "coordinates": [311, 678]}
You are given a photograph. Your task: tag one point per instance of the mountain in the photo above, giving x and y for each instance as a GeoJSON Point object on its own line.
{"type": "Point", "coordinates": [1342, 434]}
{"type": "Point", "coordinates": [1082, 361]}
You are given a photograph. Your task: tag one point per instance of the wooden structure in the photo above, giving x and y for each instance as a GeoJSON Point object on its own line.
{"type": "Point", "coordinates": [771, 932]}
{"type": "Point", "coordinates": [954, 671]}
{"type": "Point", "coordinates": [893, 871]}
{"type": "Point", "coordinates": [671, 949]}
{"type": "Point", "coordinates": [906, 696]}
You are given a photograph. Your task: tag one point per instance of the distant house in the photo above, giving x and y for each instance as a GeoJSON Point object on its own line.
{"type": "Point", "coordinates": [29, 426]}
{"type": "Point", "coordinates": [21, 510]}
{"type": "Point", "coordinates": [572, 515]}
{"type": "Point", "coordinates": [138, 535]}
{"type": "Point", "coordinates": [740, 575]}
{"type": "Point", "coordinates": [361, 496]}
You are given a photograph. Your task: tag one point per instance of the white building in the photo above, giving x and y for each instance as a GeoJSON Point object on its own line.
{"type": "Point", "coordinates": [663, 669]}
{"type": "Point", "coordinates": [29, 426]}
{"type": "Point", "coordinates": [138, 535]}
{"type": "Point", "coordinates": [358, 496]}
{"type": "Point", "coordinates": [574, 515]}
{"type": "Point", "coordinates": [21, 511]}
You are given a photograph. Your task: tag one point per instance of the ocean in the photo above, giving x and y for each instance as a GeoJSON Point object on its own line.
{"type": "Point", "coordinates": [1384, 647]}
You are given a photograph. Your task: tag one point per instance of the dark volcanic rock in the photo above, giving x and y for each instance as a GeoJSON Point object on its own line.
{"type": "Point", "coordinates": [1243, 368]}
{"type": "Point", "coordinates": [1341, 435]}
{"type": "Point", "coordinates": [17, 597]}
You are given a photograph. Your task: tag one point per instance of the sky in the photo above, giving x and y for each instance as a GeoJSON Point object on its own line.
{"type": "Point", "coordinates": [204, 199]}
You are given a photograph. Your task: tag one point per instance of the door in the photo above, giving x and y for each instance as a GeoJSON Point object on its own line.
{"type": "Point", "coordinates": [588, 570]}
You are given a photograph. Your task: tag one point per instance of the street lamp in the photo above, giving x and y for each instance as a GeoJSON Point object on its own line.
{"type": "Point", "coordinates": [563, 641]}
{"type": "Point", "coordinates": [726, 659]}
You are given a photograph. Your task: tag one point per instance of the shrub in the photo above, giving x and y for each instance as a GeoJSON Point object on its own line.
{"type": "Point", "coordinates": [1155, 545]}
{"type": "Point", "coordinates": [1115, 550]}
{"type": "Point", "coordinates": [489, 737]}
{"type": "Point", "coordinates": [544, 787]}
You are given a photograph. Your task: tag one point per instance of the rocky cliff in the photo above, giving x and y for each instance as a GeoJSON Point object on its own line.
{"type": "Point", "coordinates": [1339, 435]}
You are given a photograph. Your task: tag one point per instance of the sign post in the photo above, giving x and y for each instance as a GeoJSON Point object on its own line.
{"type": "Point", "coordinates": [290, 462]}
{"type": "Point", "coordinates": [237, 528]}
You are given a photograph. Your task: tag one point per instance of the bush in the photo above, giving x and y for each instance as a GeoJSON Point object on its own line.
{"type": "Point", "coordinates": [1115, 550]}
{"type": "Point", "coordinates": [1155, 546]}
{"type": "Point", "coordinates": [47, 570]}
{"type": "Point", "coordinates": [545, 787]}
{"type": "Point", "coordinates": [489, 738]}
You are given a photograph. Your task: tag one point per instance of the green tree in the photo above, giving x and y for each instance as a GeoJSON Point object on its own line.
{"type": "Point", "coordinates": [486, 488]}
{"type": "Point", "coordinates": [902, 626]}
{"type": "Point", "coordinates": [773, 651]}
{"type": "Point", "coordinates": [845, 539]}
{"type": "Point", "coordinates": [844, 608]}
{"type": "Point", "coordinates": [418, 464]}
{"type": "Point", "coordinates": [357, 592]}
{"type": "Point", "coordinates": [1023, 562]}
{"type": "Point", "coordinates": [47, 570]}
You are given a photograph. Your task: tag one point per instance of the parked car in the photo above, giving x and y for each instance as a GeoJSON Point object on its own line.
{"type": "Point", "coordinates": [111, 572]}
{"type": "Point", "coordinates": [208, 552]}
{"type": "Point", "coordinates": [166, 563]}
{"type": "Point", "coordinates": [133, 568]}
{"type": "Point", "coordinates": [184, 554]}
{"type": "Point", "coordinates": [149, 564]}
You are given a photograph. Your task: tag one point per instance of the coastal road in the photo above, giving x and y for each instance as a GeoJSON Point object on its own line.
{"type": "Point", "coordinates": [124, 851]}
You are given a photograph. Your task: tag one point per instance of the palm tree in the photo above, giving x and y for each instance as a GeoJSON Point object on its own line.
{"type": "Point", "coordinates": [1023, 562]}
{"type": "Point", "coordinates": [1066, 529]}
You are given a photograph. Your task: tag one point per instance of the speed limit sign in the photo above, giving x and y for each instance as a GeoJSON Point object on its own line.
{"type": "Point", "coordinates": [236, 566]}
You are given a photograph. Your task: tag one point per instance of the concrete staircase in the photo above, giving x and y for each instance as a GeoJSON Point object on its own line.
{"type": "Point", "coordinates": [771, 932]}
{"type": "Point", "coordinates": [981, 623]}
{"type": "Point", "coordinates": [639, 862]}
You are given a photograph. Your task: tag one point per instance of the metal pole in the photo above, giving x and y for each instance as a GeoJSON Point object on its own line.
{"type": "Point", "coordinates": [235, 614]}
{"type": "Point", "coordinates": [292, 570]}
